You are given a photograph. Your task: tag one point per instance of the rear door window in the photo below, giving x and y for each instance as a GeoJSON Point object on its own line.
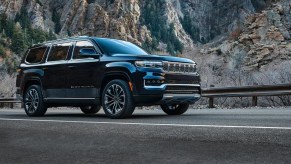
{"type": "Point", "coordinates": [59, 52]}
{"type": "Point", "coordinates": [35, 55]}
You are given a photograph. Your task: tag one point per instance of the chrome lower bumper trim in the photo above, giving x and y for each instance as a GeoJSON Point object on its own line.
{"type": "Point", "coordinates": [180, 98]}
{"type": "Point", "coordinates": [163, 86]}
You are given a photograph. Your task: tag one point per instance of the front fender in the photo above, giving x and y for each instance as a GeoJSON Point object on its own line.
{"type": "Point", "coordinates": [121, 67]}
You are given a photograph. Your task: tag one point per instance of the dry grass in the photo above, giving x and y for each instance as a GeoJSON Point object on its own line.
{"type": "Point", "coordinates": [7, 85]}
{"type": "Point", "coordinates": [215, 70]}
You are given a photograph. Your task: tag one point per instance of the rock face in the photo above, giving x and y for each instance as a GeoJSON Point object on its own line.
{"type": "Point", "coordinates": [10, 7]}
{"type": "Point", "coordinates": [118, 19]}
{"type": "Point", "coordinates": [235, 31]}
{"type": "Point", "coordinates": [121, 18]}
{"type": "Point", "coordinates": [172, 13]}
{"type": "Point", "coordinates": [264, 39]}
{"type": "Point", "coordinates": [215, 17]}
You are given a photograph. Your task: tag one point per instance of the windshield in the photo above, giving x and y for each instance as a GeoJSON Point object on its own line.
{"type": "Point", "coordinates": [113, 46]}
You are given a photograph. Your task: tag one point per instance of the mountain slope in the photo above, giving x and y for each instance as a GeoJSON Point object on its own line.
{"type": "Point", "coordinates": [229, 27]}
{"type": "Point", "coordinates": [124, 18]}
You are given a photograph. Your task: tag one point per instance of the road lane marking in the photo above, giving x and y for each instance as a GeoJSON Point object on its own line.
{"type": "Point", "coordinates": [150, 124]}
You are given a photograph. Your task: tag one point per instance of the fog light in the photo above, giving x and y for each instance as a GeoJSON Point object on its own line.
{"type": "Point", "coordinates": [154, 82]}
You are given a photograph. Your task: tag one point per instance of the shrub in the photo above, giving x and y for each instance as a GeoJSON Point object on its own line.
{"type": "Point", "coordinates": [7, 85]}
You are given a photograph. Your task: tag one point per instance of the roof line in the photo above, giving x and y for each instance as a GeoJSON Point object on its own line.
{"type": "Point", "coordinates": [63, 39]}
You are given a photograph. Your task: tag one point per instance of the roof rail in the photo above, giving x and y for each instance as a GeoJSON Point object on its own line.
{"type": "Point", "coordinates": [63, 39]}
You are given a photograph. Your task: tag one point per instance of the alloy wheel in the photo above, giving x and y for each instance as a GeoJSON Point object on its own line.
{"type": "Point", "coordinates": [114, 99]}
{"type": "Point", "coordinates": [31, 100]}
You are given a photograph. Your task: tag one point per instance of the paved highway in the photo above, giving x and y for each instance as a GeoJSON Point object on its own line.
{"type": "Point", "coordinates": [150, 136]}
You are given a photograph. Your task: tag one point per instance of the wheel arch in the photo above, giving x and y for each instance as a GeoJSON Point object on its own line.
{"type": "Point", "coordinates": [114, 76]}
{"type": "Point", "coordinates": [32, 81]}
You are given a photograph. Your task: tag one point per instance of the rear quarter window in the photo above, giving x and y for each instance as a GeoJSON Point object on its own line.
{"type": "Point", "coordinates": [35, 55]}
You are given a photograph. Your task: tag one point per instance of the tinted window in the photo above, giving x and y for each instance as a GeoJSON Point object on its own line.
{"type": "Point", "coordinates": [35, 55]}
{"type": "Point", "coordinates": [59, 52]}
{"type": "Point", "coordinates": [80, 45]}
{"type": "Point", "coordinates": [112, 46]}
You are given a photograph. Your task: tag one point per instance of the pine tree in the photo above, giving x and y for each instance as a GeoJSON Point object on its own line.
{"type": "Point", "coordinates": [2, 21]}
{"type": "Point", "coordinates": [9, 27]}
{"type": "Point", "coordinates": [56, 19]}
{"type": "Point", "coordinates": [51, 35]}
{"type": "Point", "coordinates": [18, 42]}
{"type": "Point", "coordinates": [23, 18]}
{"type": "Point", "coordinates": [153, 18]}
{"type": "Point", "coordinates": [2, 50]}
{"type": "Point", "coordinates": [190, 28]}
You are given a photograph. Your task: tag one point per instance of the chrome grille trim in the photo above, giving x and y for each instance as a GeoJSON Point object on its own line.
{"type": "Point", "coordinates": [177, 67]}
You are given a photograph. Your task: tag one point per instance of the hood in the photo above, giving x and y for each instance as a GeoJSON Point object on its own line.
{"type": "Point", "coordinates": [154, 58]}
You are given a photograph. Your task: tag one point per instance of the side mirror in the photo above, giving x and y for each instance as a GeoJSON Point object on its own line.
{"type": "Point", "coordinates": [88, 53]}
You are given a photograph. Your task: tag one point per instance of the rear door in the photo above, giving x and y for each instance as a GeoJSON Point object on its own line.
{"type": "Point", "coordinates": [55, 71]}
{"type": "Point", "coordinates": [83, 73]}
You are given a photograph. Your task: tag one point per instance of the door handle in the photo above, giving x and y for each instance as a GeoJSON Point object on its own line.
{"type": "Point", "coordinates": [71, 66]}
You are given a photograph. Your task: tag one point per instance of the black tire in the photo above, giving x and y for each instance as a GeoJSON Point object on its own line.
{"type": "Point", "coordinates": [33, 101]}
{"type": "Point", "coordinates": [90, 109]}
{"type": "Point", "coordinates": [117, 100]}
{"type": "Point", "coordinates": [176, 109]}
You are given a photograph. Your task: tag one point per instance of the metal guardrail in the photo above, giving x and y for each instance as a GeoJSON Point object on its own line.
{"type": "Point", "coordinates": [242, 91]}
{"type": "Point", "coordinates": [246, 91]}
{"type": "Point", "coordinates": [11, 101]}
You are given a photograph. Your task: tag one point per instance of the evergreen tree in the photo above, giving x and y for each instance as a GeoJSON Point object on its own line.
{"type": "Point", "coordinates": [2, 50]}
{"type": "Point", "coordinates": [10, 25]}
{"type": "Point", "coordinates": [154, 19]}
{"type": "Point", "coordinates": [190, 28]}
{"type": "Point", "coordinates": [23, 18]}
{"type": "Point", "coordinates": [51, 35]}
{"type": "Point", "coordinates": [2, 21]}
{"type": "Point", "coordinates": [170, 49]}
{"type": "Point", "coordinates": [18, 42]}
{"type": "Point", "coordinates": [56, 19]}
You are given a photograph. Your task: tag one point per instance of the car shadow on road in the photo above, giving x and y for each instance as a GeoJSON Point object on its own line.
{"type": "Point", "coordinates": [99, 115]}
{"type": "Point", "coordinates": [73, 115]}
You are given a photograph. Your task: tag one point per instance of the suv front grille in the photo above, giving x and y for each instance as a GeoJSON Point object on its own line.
{"type": "Point", "coordinates": [176, 67]}
{"type": "Point", "coordinates": [183, 89]}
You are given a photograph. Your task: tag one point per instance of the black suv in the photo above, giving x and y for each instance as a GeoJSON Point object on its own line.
{"type": "Point", "coordinates": [90, 72]}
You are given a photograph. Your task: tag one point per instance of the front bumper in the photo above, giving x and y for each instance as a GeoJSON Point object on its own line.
{"type": "Point", "coordinates": [169, 98]}
{"type": "Point", "coordinates": [155, 86]}
{"type": "Point", "coordinates": [170, 94]}
{"type": "Point", "coordinates": [177, 93]}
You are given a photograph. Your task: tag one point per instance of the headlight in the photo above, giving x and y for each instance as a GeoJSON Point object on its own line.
{"type": "Point", "coordinates": [149, 64]}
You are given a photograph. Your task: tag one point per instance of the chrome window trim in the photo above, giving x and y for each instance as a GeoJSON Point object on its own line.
{"type": "Point", "coordinates": [28, 63]}
{"type": "Point", "coordinates": [49, 53]}
{"type": "Point", "coordinates": [74, 44]}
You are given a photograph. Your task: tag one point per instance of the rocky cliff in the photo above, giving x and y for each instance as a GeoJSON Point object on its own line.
{"type": "Point", "coordinates": [121, 18]}
{"type": "Point", "coordinates": [248, 34]}
{"type": "Point", "coordinates": [262, 39]}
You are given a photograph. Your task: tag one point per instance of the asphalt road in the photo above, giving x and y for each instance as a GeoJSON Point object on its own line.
{"type": "Point", "coordinates": [199, 136]}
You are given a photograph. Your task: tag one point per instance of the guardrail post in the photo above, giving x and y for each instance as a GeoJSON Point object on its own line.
{"type": "Point", "coordinates": [255, 98]}
{"type": "Point", "coordinates": [255, 101]}
{"type": "Point", "coordinates": [211, 100]}
{"type": "Point", "coordinates": [11, 105]}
